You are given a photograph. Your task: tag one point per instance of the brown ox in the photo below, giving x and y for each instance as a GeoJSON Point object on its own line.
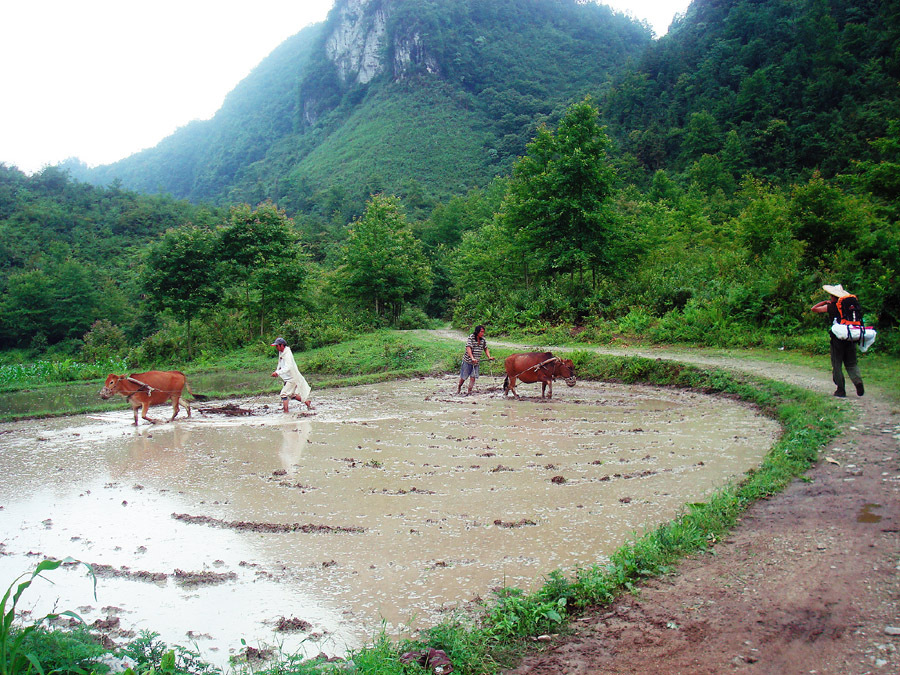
{"type": "Point", "coordinates": [151, 388]}
{"type": "Point", "coordinates": [537, 367]}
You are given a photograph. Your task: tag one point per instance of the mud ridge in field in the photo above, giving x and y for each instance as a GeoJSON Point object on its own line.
{"type": "Point", "coordinates": [264, 527]}
{"type": "Point", "coordinates": [203, 578]}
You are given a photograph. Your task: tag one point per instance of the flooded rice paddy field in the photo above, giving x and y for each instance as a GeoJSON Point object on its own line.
{"type": "Point", "coordinates": [394, 502]}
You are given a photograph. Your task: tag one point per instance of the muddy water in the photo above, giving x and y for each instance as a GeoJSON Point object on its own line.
{"type": "Point", "coordinates": [400, 500]}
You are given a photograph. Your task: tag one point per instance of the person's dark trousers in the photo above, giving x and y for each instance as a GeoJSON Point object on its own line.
{"type": "Point", "coordinates": [843, 355]}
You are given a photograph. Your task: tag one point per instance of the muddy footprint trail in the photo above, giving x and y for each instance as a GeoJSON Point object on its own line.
{"type": "Point", "coordinates": [808, 582]}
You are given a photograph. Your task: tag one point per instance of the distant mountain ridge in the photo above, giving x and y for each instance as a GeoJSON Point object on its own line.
{"type": "Point", "coordinates": [477, 74]}
{"type": "Point", "coordinates": [426, 99]}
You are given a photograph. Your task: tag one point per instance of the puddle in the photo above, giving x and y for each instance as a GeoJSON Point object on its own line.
{"type": "Point", "coordinates": [396, 502]}
{"type": "Point", "coordinates": [866, 515]}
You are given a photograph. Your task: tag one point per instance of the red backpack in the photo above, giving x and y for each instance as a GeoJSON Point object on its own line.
{"type": "Point", "coordinates": [849, 310]}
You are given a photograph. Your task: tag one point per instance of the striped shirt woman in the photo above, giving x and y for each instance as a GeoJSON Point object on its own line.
{"type": "Point", "coordinates": [476, 345]}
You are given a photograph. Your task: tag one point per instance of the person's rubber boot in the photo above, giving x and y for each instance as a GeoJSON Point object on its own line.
{"type": "Point", "coordinates": [860, 389]}
{"type": "Point", "coordinates": [840, 393]}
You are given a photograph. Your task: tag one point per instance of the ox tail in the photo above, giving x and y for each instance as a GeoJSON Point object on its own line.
{"type": "Point", "coordinates": [506, 384]}
{"type": "Point", "coordinates": [197, 397]}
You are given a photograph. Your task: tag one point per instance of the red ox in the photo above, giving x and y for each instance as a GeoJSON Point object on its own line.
{"type": "Point", "coordinates": [151, 388]}
{"type": "Point", "coordinates": [540, 367]}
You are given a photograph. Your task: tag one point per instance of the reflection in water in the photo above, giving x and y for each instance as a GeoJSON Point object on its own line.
{"type": "Point", "coordinates": [294, 438]}
{"type": "Point", "coordinates": [156, 451]}
{"type": "Point", "coordinates": [407, 501]}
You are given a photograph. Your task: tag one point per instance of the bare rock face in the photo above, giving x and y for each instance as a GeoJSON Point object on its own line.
{"type": "Point", "coordinates": [356, 46]}
{"type": "Point", "coordinates": [410, 54]}
{"type": "Point", "coordinates": [363, 42]}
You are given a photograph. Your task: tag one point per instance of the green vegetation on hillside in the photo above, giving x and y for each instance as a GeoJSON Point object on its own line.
{"type": "Point", "coordinates": [481, 78]}
{"type": "Point", "coordinates": [404, 140]}
{"type": "Point", "coordinates": [778, 88]}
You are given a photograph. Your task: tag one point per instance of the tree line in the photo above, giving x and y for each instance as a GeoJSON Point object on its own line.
{"type": "Point", "coordinates": [562, 243]}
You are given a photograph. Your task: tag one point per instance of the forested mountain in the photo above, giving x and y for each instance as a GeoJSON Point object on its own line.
{"type": "Point", "coordinates": [780, 87]}
{"type": "Point", "coordinates": [428, 99]}
{"type": "Point", "coordinates": [536, 165]}
{"type": "Point", "coordinates": [414, 97]}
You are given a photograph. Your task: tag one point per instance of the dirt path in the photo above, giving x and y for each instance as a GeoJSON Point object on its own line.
{"type": "Point", "coordinates": [809, 581]}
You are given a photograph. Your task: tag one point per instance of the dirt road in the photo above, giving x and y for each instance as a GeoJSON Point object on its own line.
{"type": "Point", "coordinates": [809, 581]}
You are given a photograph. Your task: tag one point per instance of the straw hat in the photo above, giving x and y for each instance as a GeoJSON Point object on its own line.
{"type": "Point", "coordinates": [837, 290]}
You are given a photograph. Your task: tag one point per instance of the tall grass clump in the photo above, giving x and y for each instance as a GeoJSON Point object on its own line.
{"type": "Point", "coordinates": [19, 652]}
{"type": "Point", "coordinates": [152, 656]}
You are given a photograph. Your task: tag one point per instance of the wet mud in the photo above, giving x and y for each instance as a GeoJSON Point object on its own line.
{"type": "Point", "coordinates": [397, 502]}
{"type": "Point", "coordinates": [262, 527]}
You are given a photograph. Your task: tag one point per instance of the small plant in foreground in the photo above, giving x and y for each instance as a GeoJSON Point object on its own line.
{"type": "Point", "coordinates": [14, 660]}
{"type": "Point", "coordinates": [153, 657]}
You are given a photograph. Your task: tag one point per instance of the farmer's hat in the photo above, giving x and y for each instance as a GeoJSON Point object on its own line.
{"type": "Point", "coordinates": [278, 341]}
{"type": "Point", "coordinates": [837, 290]}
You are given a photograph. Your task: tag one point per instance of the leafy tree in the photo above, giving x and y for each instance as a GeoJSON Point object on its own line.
{"type": "Point", "coordinates": [701, 136]}
{"type": "Point", "coordinates": [825, 219]}
{"type": "Point", "coordinates": [76, 300]}
{"type": "Point", "coordinates": [260, 253]}
{"type": "Point", "coordinates": [448, 221]}
{"type": "Point", "coordinates": [381, 263]}
{"type": "Point", "coordinates": [103, 341]}
{"type": "Point", "coordinates": [558, 205]}
{"type": "Point", "coordinates": [182, 274]}
{"type": "Point", "coordinates": [58, 302]}
{"type": "Point", "coordinates": [27, 307]}
{"type": "Point", "coordinates": [882, 178]}
{"type": "Point", "coordinates": [485, 261]}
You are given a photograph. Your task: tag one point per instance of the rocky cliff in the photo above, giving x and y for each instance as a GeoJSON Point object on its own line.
{"type": "Point", "coordinates": [360, 47]}
{"type": "Point", "coordinates": [356, 44]}
{"type": "Point", "coordinates": [364, 41]}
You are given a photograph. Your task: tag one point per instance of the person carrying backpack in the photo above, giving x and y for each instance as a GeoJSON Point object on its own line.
{"type": "Point", "coordinates": [843, 308]}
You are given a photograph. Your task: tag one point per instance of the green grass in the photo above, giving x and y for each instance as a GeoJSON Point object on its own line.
{"type": "Point", "coordinates": [15, 376]}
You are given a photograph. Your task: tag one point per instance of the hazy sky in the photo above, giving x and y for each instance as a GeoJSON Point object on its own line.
{"type": "Point", "coordinates": [103, 79]}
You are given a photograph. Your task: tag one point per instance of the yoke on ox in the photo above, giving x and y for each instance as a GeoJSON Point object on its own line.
{"type": "Point", "coordinates": [151, 388]}
{"type": "Point", "coordinates": [540, 367]}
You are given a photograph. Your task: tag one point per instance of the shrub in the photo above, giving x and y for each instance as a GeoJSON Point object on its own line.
{"type": "Point", "coordinates": [410, 318]}
{"type": "Point", "coordinates": [636, 321]}
{"type": "Point", "coordinates": [167, 345]}
{"type": "Point", "coordinates": [103, 341]}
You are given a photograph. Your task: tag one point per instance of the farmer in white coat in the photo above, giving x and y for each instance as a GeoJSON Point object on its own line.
{"type": "Point", "coordinates": [295, 385]}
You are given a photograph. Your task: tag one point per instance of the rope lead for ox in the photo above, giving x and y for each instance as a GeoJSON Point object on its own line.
{"type": "Point", "coordinates": [538, 365]}
{"type": "Point", "coordinates": [144, 386]}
